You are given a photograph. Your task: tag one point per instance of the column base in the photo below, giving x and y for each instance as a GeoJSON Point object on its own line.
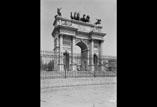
{"type": "Point", "coordinates": [61, 67]}
{"type": "Point", "coordinates": [91, 68]}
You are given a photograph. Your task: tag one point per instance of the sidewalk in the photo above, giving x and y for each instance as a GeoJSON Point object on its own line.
{"type": "Point", "coordinates": [80, 96]}
{"type": "Point", "coordinates": [53, 83]}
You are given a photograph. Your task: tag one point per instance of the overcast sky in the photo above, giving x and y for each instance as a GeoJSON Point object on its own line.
{"type": "Point", "coordinates": [106, 10]}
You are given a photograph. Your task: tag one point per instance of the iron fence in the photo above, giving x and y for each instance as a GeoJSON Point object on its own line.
{"type": "Point", "coordinates": [62, 65]}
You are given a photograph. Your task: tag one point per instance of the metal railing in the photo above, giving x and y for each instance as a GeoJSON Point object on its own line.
{"type": "Point", "coordinates": [75, 66]}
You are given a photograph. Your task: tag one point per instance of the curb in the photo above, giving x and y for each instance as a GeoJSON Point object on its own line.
{"type": "Point", "coordinates": [70, 82]}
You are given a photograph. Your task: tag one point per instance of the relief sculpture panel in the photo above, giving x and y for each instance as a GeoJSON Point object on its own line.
{"type": "Point", "coordinates": [66, 23]}
{"type": "Point", "coordinates": [67, 32]}
{"type": "Point", "coordinates": [66, 41]}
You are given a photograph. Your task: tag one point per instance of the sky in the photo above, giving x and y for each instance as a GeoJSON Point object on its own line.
{"type": "Point", "coordinates": [106, 10]}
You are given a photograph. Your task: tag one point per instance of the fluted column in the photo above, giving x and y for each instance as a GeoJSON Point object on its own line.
{"type": "Point", "coordinates": [73, 55]}
{"type": "Point", "coordinates": [100, 56]}
{"type": "Point", "coordinates": [91, 56]}
{"type": "Point", "coordinates": [61, 64]}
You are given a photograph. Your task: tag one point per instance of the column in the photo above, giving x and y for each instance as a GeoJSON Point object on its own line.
{"type": "Point", "coordinates": [91, 56]}
{"type": "Point", "coordinates": [100, 56]}
{"type": "Point", "coordinates": [73, 57]}
{"type": "Point", "coordinates": [61, 64]}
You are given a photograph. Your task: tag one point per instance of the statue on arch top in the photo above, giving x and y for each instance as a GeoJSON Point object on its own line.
{"type": "Point", "coordinates": [88, 18]}
{"type": "Point", "coordinates": [98, 21]}
{"type": "Point", "coordinates": [59, 11]}
{"type": "Point", "coordinates": [71, 16]}
{"type": "Point", "coordinates": [78, 16]}
{"type": "Point", "coordinates": [83, 18]}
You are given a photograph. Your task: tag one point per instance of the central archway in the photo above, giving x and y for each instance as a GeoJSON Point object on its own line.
{"type": "Point", "coordinates": [82, 57]}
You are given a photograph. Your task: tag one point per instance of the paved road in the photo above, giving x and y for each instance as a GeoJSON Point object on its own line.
{"type": "Point", "coordinates": [80, 96]}
{"type": "Point", "coordinates": [52, 83]}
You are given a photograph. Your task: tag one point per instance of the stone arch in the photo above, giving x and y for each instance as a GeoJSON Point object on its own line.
{"type": "Point", "coordinates": [82, 42]}
{"type": "Point", "coordinates": [83, 56]}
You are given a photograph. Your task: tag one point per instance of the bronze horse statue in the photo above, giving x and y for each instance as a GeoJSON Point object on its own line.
{"type": "Point", "coordinates": [76, 16]}
{"type": "Point", "coordinates": [87, 18]}
{"type": "Point", "coordinates": [71, 16]}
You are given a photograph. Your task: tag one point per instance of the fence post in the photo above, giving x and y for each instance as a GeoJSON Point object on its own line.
{"type": "Point", "coordinates": [65, 72]}
{"type": "Point", "coordinates": [94, 72]}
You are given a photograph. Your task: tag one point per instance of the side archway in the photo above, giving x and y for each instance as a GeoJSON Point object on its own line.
{"type": "Point", "coordinates": [95, 61]}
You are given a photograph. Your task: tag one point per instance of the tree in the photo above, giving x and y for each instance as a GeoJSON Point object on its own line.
{"type": "Point", "coordinates": [41, 65]}
{"type": "Point", "coordinates": [50, 65]}
{"type": "Point", "coordinates": [44, 67]}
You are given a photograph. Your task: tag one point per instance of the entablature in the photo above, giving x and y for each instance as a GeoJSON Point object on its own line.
{"type": "Point", "coordinates": [79, 25]}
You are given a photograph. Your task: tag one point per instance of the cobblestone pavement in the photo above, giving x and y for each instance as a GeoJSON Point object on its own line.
{"type": "Point", "coordinates": [80, 96]}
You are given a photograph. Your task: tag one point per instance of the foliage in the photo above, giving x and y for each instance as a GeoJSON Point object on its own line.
{"type": "Point", "coordinates": [47, 67]}
{"type": "Point", "coordinates": [50, 65]}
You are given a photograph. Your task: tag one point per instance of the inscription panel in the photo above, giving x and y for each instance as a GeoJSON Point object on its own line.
{"type": "Point", "coordinates": [97, 37]}
{"type": "Point", "coordinates": [84, 28]}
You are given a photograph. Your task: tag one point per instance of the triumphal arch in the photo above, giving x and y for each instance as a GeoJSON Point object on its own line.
{"type": "Point", "coordinates": [69, 33]}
